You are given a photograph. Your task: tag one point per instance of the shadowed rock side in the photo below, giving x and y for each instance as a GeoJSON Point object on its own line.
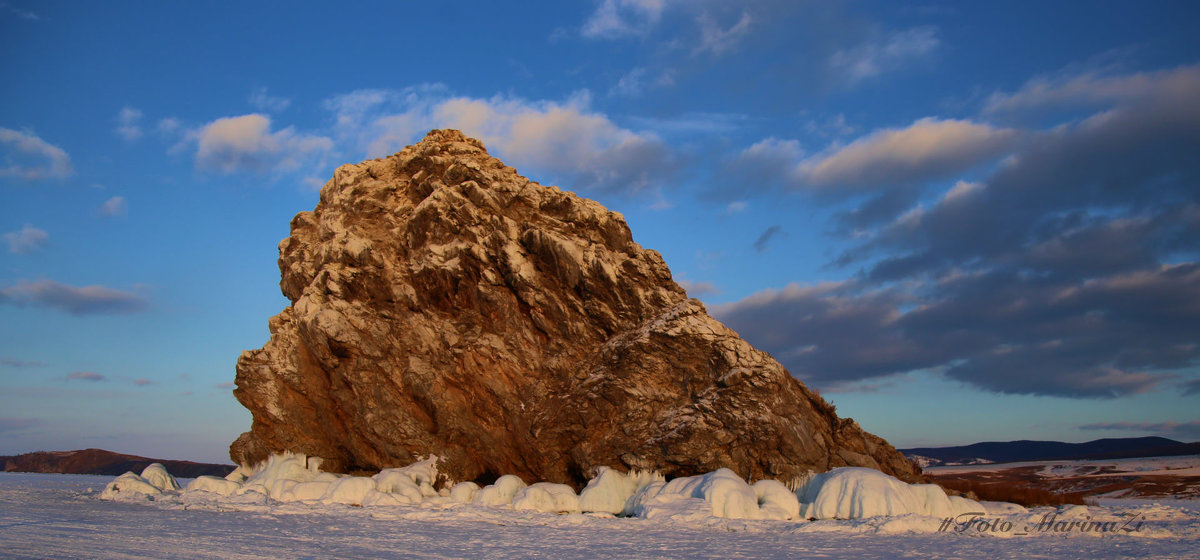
{"type": "Point", "coordinates": [443, 304]}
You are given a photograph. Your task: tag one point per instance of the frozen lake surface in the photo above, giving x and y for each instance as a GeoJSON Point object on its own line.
{"type": "Point", "coordinates": [60, 516]}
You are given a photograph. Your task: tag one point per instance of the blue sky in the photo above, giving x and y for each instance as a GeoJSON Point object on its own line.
{"type": "Point", "coordinates": [958, 221]}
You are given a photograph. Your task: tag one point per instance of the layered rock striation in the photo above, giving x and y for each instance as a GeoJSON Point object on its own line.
{"type": "Point", "coordinates": [444, 304]}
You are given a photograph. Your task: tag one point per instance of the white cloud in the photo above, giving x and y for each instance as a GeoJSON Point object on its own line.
{"type": "Point", "coordinates": [31, 158]}
{"type": "Point", "coordinates": [928, 148]}
{"type": "Point", "coordinates": [246, 143]}
{"type": "Point", "coordinates": [26, 240]}
{"type": "Point", "coordinates": [261, 100]}
{"type": "Point", "coordinates": [113, 207]}
{"type": "Point", "coordinates": [716, 40]}
{"type": "Point", "coordinates": [622, 18]}
{"type": "Point", "coordinates": [1097, 89]}
{"type": "Point", "coordinates": [565, 140]}
{"type": "Point", "coordinates": [872, 58]}
{"type": "Point", "coordinates": [129, 122]}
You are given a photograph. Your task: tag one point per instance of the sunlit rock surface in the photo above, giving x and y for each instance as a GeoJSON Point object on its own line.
{"type": "Point", "coordinates": [442, 304]}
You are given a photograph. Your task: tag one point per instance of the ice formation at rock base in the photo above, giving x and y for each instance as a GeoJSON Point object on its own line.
{"type": "Point", "coordinates": [842, 493]}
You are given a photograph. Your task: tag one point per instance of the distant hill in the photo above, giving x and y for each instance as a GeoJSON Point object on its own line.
{"type": "Point", "coordinates": [99, 461]}
{"type": "Point", "coordinates": [1026, 450]}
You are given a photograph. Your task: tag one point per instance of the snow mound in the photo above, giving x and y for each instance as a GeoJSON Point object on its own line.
{"type": "Point", "coordinates": [464, 492]}
{"type": "Point", "coordinates": [221, 486]}
{"type": "Point", "coordinates": [500, 493]}
{"type": "Point", "coordinates": [157, 476]}
{"type": "Point", "coordinates": [399, 483]}
{"type": "Point", "coordinates": [547, 497]}
{"type": "Point", "coordinates": [775, 501]}
{"type": "Point", "coordinates": [412, 483]}
{"type": "Point", "coordinates": [611, 490]}
{"type": "Point", "coordinates": [311, 491]}
{"type": "Point", "coordinates": [129, 485]}
{"type": "Point", "coordinates": [724, 491]}
{"type": "Point", "coordinates": [349, 490]}
{"type": "Point", "coordinates": [856, 492]}
{"type": "Point", "coordinates": [268, 477]}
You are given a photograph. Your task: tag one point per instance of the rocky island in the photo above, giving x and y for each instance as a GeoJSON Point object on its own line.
{"type": "Point", "coordinates": [443, 304]}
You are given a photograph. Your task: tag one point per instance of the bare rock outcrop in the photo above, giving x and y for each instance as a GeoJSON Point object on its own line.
{"type": "Point", "coordinates": [444, 304]}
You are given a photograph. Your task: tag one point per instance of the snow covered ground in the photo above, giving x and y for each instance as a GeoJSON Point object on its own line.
{"type": "Point", "coordinates": [1183, 465]}
{"type": "Point", "coordinates": [61, 516]}
{"type": "Point", "coordinates": [1147, 479]}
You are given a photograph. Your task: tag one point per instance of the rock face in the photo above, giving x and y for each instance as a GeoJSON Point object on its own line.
{"type": "Point", "coordinates": [443, 304]}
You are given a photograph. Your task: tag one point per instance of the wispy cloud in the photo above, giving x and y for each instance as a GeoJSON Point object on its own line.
{"type": "Point", "coordinates": [1094, 88]}
{"type": "Point", "coordinates": [614, 19]}
{"type": "Point", "coordinates": [10, 362]}
{"type": "Point", "coordinates": [76, 300]}
{"type": "Point", "coordinates": [761, 244]}
{"type": "Point", "coordinates": [86, 376]}
{"type": "Point", "coordinates": [717, 40]}
{"type": "Point", "coordinates": [698, 289]}
{"type": "Point", "coordinates": [32, 158]}
{"type": "Point", "coordinates": [114, 207]}
{"type": "Point", "coordinates": [129, 123]}
{"type": "Point", "coordinates": [928, 149]}
{"type": "Point", "coordinates": [632, 84]}
{"type": "Point", "coordinates": [263, 101]}
{"type": "Point", "coordinates": [874, 57]}
{"type": "Point", "coordinates": [23, 14]}
{"type": "Point", "coordinates": [26, 240]}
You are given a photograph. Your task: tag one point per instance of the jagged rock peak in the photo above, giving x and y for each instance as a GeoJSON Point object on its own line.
{"type": "Point", "coordinates": [444, 304]}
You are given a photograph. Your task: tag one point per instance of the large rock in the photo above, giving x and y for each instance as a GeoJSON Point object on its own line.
{"type": "Point", "coordinates": [443, 304]}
